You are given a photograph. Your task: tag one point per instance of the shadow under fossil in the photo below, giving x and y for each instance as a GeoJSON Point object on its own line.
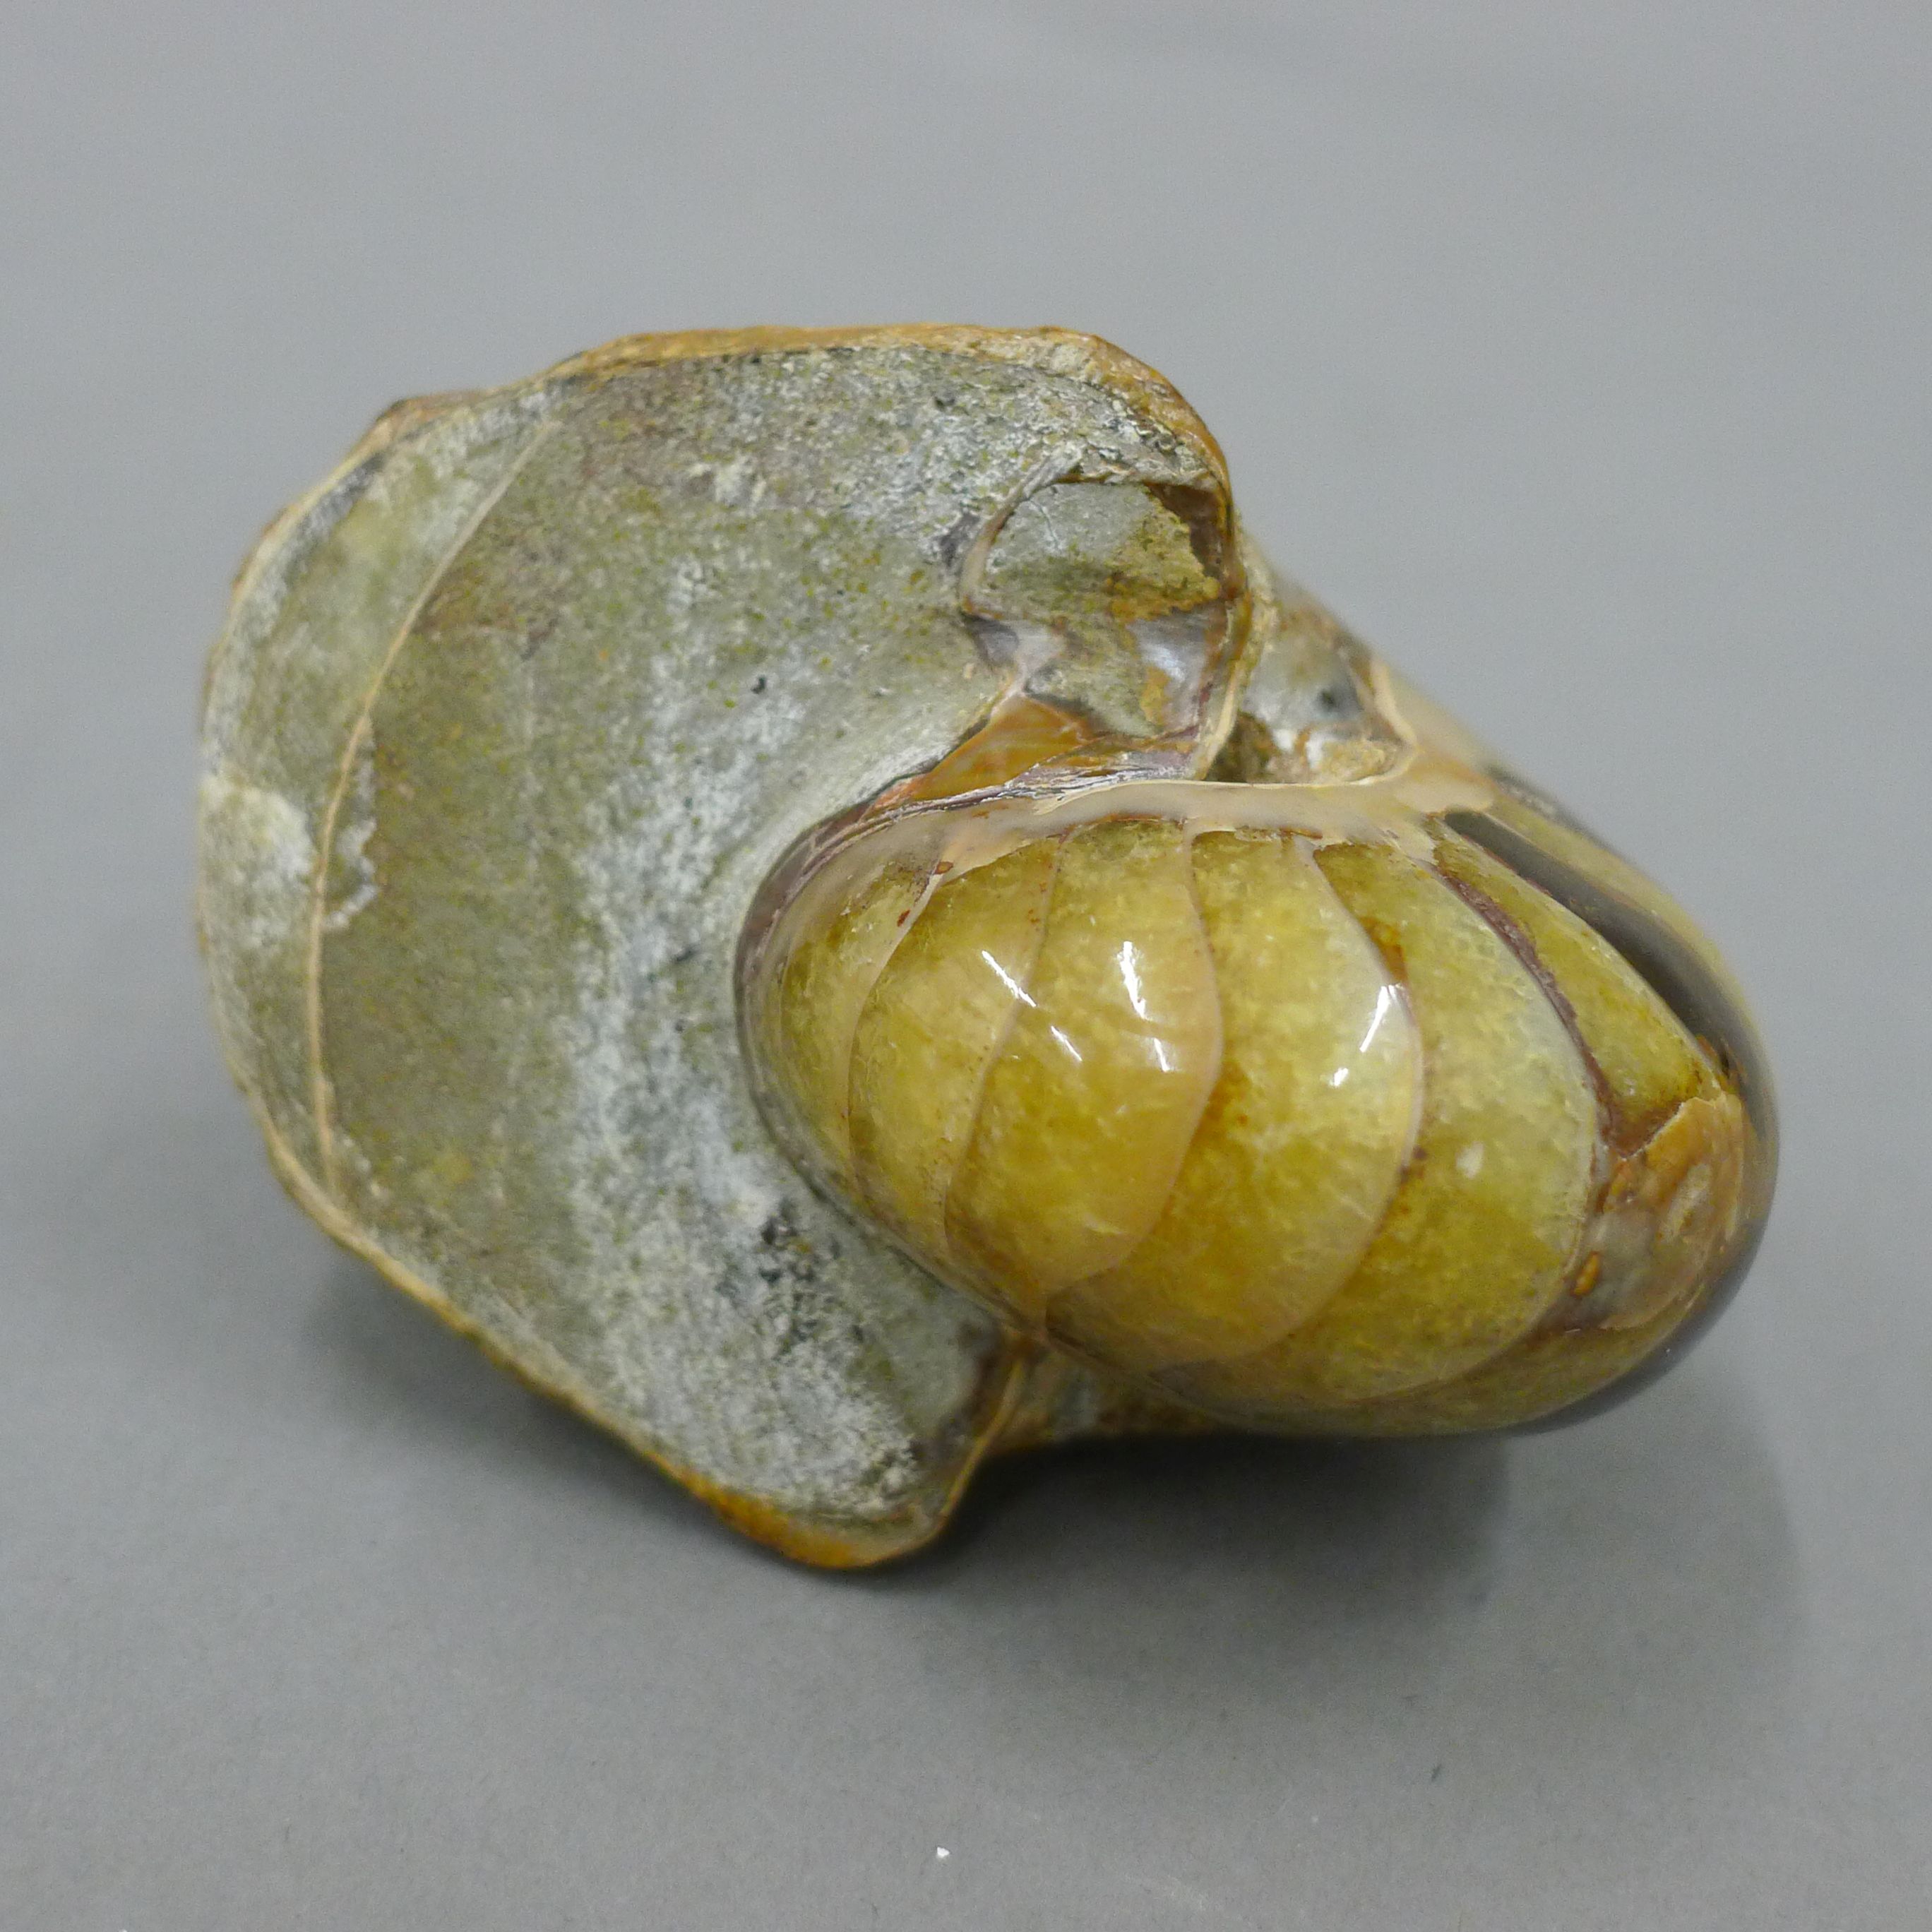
{"type": "Point", "coordinates": [1622, 1593]}
{"type": "Point", "coordinates": [1596, 1590]}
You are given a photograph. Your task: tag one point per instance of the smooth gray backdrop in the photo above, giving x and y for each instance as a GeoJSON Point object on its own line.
{"type": "Point", "coordinates": [1579, 355]}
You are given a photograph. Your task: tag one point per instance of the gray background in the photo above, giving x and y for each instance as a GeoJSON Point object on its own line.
{"type": "Point", "coordinates": [1579, 356]}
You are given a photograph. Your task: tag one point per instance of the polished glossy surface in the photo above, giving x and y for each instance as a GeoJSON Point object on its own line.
{"type": "Point", "coordinates": [1308, 1135]}
{"type": "Point", "coordinates": [1265, 1053]}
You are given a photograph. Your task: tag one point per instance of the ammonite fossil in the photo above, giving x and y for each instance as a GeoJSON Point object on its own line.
{"type": "Point", "coordinates": [814, 891]}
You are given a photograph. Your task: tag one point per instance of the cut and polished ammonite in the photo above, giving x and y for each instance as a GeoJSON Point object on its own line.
{"type": "Point", "coordinates": [814, 891]}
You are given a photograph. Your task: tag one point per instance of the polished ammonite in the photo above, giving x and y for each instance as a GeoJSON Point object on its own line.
{"type": "Point", "coordinates": [812, 890]}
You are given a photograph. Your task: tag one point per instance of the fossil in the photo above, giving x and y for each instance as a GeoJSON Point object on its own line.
{"type": "Point", "coordinates": [814, 892]}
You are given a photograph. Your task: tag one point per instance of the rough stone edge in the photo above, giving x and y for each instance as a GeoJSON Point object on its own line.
{"type": "Point", "coordinates": [1027, 1400]}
